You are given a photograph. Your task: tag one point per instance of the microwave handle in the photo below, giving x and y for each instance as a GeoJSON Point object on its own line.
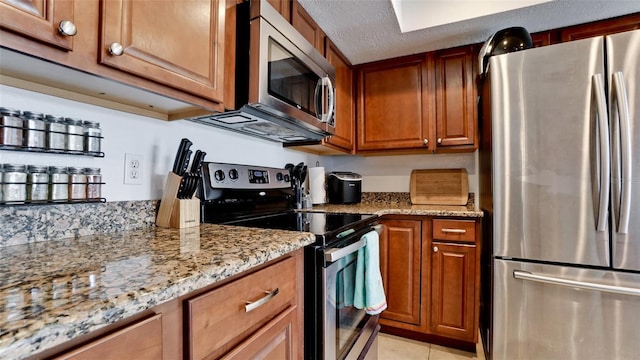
{"type": "Point", "coordinates": [331, 94]}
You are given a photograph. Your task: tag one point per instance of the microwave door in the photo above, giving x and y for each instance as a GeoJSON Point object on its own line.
{"type": "Point", "coordinates": [285, 79]}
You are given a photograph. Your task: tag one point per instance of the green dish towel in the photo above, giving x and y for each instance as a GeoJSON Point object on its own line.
{"type": "Point", "coordinates": [369, 292]}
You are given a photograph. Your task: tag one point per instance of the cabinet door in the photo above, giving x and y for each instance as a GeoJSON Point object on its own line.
{"type": "Point", "coordinates": [345, 108]}
{"type": "Point", "coordinates": [39, 19]}
{"type": "Point", "coordinates": [394, 104]}
{"type": "Point", "coordinates": [274, 341]}
{"type": "Point", "coordinates": [453, 274]}
{"type": "Point", "coordinates": [455, 100]}
{"type": "Point", "coordinates": [599, 28]}
{"type": "Point", "coordinates": [283, 7]}
{"type": "Point", "coordinates": [177, 43]}
{"type": "Point", "coordinates": [306, 26]}
{"type": "Point", "coordinates": [400, 249]}
{"type": "Point", "coordinates": [142, 341]}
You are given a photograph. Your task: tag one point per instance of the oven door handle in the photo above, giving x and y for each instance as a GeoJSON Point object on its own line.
{"type": "Point", "coordinates": [339, 253]}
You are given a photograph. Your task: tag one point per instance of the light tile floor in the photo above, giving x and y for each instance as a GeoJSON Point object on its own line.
{"type": "Point", "coordinates": [396, 348]}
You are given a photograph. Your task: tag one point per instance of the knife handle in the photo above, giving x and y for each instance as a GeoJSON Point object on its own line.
{"type": "Point", "coordinates": [185, 164]}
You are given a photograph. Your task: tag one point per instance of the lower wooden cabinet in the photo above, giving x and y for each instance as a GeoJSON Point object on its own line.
{"type": "Point", "coordinates": [142, 340]}
{"type": "Point", "coordinates": [253, 315]}
{"type": "Point", "coordinates": [400, 262]}
{"type": "Point", "coordinates": [430, 271]}
{"type": "Point", "coordinates": [453, 291]}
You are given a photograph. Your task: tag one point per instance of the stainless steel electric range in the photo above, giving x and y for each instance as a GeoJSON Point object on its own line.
{"type": "Point", "coordinates": [264, 197]}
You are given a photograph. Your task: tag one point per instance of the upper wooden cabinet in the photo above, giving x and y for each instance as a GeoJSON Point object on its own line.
{"type": "Point", "coordinates": [345, 106]}
{"type": "Point", "coordinates": [598, 28]}
{"type": "Point", "coordinates": [172, 43]}
{"type": "Point", "coordinates": [456, 110]}
{"type": "Point", "coordinates": [306, 26]}
{"type": "Point", "coordinates": [395, 104]}
{"type": "Point", "coordinates": [283, 7]}
{"type": "Point", "coordinates": [49, 21]}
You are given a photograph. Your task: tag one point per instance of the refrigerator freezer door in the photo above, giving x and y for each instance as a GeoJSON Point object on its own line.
{"type": "Point", "coordinates": [548, 151]}
{"type": "Point", "coordinates": [540, 320]}
{"type": "Point", "coordinates": [623, 54]}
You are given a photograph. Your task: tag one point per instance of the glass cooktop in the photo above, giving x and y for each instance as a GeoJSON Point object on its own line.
{"type": "Point", "coordinates": [319, 223]}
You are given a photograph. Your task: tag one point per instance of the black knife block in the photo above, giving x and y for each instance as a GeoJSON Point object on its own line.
{"type": "Point", "coordinates": [177, 213]}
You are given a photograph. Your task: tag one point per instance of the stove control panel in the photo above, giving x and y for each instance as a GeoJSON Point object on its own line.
{"type": "Point", "coordinates": [236, 176]}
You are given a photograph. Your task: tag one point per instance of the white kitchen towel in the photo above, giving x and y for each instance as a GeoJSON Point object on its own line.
{"type": "Point", "coordinates": [317, 182]}
{"type": "Point", "coordinates": [369, 292]}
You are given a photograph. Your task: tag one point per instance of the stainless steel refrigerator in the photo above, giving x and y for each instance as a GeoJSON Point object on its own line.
{"type": "Point", "coordinates": [560, 187]}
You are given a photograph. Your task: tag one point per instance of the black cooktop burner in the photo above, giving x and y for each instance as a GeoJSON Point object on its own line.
{"type": "Point", "coordinates": [325, 226]}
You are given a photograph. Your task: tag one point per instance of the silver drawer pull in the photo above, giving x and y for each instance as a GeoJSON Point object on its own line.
{"type": "Point", "coordinates": [526, 275]}
{"type": "Point", "coordinates": [454, 231]}
{"type": "Point", "coordinates": [252, 305]}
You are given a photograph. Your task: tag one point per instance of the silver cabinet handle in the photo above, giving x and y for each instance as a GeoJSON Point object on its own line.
{"type": "Point", "coordinates": [426, 142]}
{"type": "Point", "coordinates": [439, 141]}
{"type": "Point", "coordinates": [622, 102]}
{"type": "Point", "coordinates": [525, 275]}
{"type": "Point", "coordinates": [252, 305]}
{"type": "Point", "coordinates": [454, 231]}
{"type": "Point", "coordinates": [337, 254]}
{"type": "Point", "coordinates": [435, 249]}
{"type": "Point", "coordinates": [116, 49]}
{"type": "Point", "coordinates": [604, 164]}
{"type": "Point", "coordinates": [67, 28]}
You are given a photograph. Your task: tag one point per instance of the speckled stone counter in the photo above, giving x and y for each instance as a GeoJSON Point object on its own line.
{"type": "Point", "coordinates": [53, 291]}
{"type": "Point", "coordinates": [400, 204]}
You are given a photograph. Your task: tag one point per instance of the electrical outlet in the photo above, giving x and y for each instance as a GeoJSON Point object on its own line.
{"type": "Point", "coordinates": [133, 169]}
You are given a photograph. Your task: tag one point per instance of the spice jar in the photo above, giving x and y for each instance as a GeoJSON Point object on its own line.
{"type": "Point", "coordinates": [75, 134]}
{"type": "Point", "coordinates": [59, 186]}
{"type": "Point", "coordinates": [37, 183]}
{"type": "Point", "coordinates": [56, 132]}
{"type": "Point", "coordinates": [92, 136]}
{"type": "Point", "coordinates": [10, 127]}
{"type": "Point", "coordinates": [14, 183]}
{"type": "Point", "coordinates": [77, 183]}
{"type": "Point", "coordinates": [94, 183]}
{"type": "Point", "coordinates": [34, 125]}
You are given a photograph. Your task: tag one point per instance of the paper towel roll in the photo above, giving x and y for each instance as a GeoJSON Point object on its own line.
{"type": "Point", "coordinates": [317, 185]}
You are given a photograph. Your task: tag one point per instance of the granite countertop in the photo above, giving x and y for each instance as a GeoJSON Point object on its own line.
{"type": "Point", "coordinates": [53, 291]}
{"type": "Point", "coordinates": [402, 208]}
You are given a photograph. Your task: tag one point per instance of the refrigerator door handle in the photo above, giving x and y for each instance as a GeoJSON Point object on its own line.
{"type": "Point", "coordinates": [605, 155]}
{"type": "Point", "coordinates": [529, 276]}
{"type": "Point", "coordinates": [621, 104]}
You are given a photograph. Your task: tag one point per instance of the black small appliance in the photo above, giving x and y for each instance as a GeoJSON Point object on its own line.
{"type": "Point", "coordinates": [344, 188]}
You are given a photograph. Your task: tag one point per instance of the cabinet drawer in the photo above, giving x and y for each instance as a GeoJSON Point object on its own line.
{"type": "Point", "coordinates": [222, 318]}
{"type": "Point", "coordinates": [142, 340]}
{"type": "Point", "coordinates": [454, 230]}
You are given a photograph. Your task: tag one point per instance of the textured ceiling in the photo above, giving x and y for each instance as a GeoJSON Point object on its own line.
{"type": "Point", "coordinates": [367, 30]}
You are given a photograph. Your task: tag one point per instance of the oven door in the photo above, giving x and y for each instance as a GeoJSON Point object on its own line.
{"type": "Point", "coordinates": [347, 329]}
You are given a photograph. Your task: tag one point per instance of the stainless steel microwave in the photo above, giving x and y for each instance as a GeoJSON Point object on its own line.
{"type": "Point", "coordinates": [284, 88]}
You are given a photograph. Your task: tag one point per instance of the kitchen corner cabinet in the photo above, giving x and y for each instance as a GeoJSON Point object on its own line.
{"type": "Point", "coordinates": [49, 21]}
{"type": "Point", "coordinates": [307, 27]}
{"type": "Point", "coordinates": [254, 314]}
{"type": "Point", "coordinates": [176, 44]}
{"type": "Point", "coordinates": [430, 272]}
{"type": "Point", "coordinates": [395, 104]}
{"type": "Point", "coordinates": [418, 103]}
{"type": "Point", "coordinates": [455, 99]}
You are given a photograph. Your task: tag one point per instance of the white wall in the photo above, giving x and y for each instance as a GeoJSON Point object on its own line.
{"type": "Point", "coordinates": [157, 141]}
{"type": "Point", "coordinates": [392, 173]}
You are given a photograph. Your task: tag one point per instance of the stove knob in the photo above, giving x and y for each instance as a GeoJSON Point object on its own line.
{"type": "Point", "coordinates": [233, 174]}
{"type": "Point", "coordinates": [279, 176]}
{"type": "Point", "coordinates": [287, 178]}
{"type": "Point", "coordinates": [219, 175]}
